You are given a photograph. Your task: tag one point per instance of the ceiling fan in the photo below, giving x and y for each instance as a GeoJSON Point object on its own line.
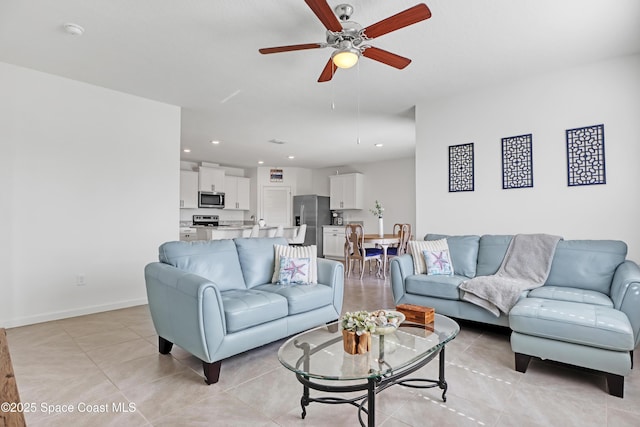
{"type": "Point", "coordinates": [349, 39]}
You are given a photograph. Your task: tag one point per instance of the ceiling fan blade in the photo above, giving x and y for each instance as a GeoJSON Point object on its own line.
{"type": "Point", "coordinates": [324, 13]}
{"type": "Point", "coordinates": [278, 49]}
{"type": "Point", "coordinates": [328, 71]}
{"type": "Point", "coordinates": [385, 57]}
{"type": "Point", "coordinates": [403, 19]}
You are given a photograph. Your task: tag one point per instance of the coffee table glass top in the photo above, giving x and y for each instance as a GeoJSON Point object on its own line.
{"type": "Point", "coordinates": [319, 353]}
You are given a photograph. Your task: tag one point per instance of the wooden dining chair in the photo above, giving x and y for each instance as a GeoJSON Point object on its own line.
{"type": "Point", "coordinates": [403, 231]}
{"type": "Point", "coordinates": [354, 250]}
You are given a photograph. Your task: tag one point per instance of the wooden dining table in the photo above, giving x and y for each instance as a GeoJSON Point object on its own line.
{"type": "Point", "coordinates": [384, 242]}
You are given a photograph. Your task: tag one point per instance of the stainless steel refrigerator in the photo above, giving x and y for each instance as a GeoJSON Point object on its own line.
{"type": "Point", "coordinates": [314, 211]}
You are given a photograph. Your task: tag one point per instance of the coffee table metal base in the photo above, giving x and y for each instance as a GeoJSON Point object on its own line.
{"type": "Point", "coordinates": [366, 402]}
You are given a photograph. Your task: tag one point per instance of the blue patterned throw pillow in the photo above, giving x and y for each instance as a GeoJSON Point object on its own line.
{"type": "Point", "coordinates": [293, 271]}
{"type": "Point", "coordinates": [438, 262]}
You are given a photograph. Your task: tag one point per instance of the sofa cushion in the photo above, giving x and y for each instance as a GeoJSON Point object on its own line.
{"type": "Point", "coordinates": [579, 323]}
{"type": "Point", "coordinates": [293, 271]}
{"type": "Point", "coordinates": [215, 260]}
{"type": "Point", "coordinates": [417, 247]}
{"type": "Point", "coordinates": [302, 298]}
{"type": "Point", "coordinates": [310, 252]}
{"type": "Point", "coordinates": [586, 264]}
{"type": "Point", "coordinates": [256, 258]}
{"type": "Point", "coordinates": [463, 250]}
{"type": "Point", "coordinates": [562, 293]}
{"type": "Point", "coordinates": [445, 287]}
{"type": "Point", "coordinates": [491, 252]}
{"type": "Point", "coordinates": [250, 307]}
{"type": "Point", "coordinates": [438, 262]}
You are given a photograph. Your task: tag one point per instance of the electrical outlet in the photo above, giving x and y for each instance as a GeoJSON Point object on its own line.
{"type": "Point", "coordinates": [80, 279]}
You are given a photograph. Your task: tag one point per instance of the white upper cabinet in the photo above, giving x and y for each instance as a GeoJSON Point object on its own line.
{"type": "Point", "coordinates": [346, 191]}
{"type": "Point", "coordinates": [237, 192]}
{"type": "Point", "coordinates": [188, 189]}
{"type": "Point", "coordinates": [211, 179]}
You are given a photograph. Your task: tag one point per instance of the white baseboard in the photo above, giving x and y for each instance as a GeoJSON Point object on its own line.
{"type": "Point", "coordinates": [47, 317]}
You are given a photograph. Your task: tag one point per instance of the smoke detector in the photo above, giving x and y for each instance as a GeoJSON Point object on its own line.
{"type": "Point", "coordinates": [73, 29]}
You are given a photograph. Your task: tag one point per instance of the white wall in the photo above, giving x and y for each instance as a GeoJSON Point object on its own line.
{"type": "Point", "coordinates": [547, 105]}
{"type": "Point", "coordinates": [391, 182]}
{"type": "Point", "coordinates": [89, 181]}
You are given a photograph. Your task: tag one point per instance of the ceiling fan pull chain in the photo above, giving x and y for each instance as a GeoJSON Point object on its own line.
{"type": "Point", "coordinates": [333, 90]}
{"type": "Point", "coordinates": [358, 107]}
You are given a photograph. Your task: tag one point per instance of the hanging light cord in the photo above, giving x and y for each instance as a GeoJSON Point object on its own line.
{"type": "Point", "coordinates": [333, 87]}
{"type": "Point", "coordinates": [358, 107]}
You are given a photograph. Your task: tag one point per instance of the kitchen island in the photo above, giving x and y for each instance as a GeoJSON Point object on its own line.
{"type": "Point", "coordinates": [232, 232]}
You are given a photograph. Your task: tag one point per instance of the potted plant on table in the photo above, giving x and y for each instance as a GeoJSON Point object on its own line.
{"type": "Point", "coordinates": [356, 331]}
{"type": "Point", "coordinates": [378, 211]}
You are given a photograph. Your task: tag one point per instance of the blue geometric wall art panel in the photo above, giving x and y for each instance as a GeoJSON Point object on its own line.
{"type": "Point", "coordinates": [461, 167]}
{"type": "Point", "coordinates": [585, 156]}
{"type": "Point", "coordinates": [517, 162]}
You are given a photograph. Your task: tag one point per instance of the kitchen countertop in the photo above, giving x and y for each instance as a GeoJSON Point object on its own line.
{"type": "Point", "coordinates": [237, 227]}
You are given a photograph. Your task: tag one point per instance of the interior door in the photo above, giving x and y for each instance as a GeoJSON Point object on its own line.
{"type": "Point", "coordinates": [276, 205]}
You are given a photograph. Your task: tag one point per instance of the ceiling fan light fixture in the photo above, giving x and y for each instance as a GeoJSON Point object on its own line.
{"type": "Point", "coordinates": [345, 58]}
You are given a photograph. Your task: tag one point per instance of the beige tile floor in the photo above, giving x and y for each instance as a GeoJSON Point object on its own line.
{"type": "Point", "coordinates": [107, 368]}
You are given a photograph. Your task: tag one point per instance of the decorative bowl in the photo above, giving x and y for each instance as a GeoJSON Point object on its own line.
{"type": "Point", "coordinates": [388, 322]}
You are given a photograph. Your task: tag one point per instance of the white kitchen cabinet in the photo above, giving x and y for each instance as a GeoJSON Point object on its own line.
{"type": "Point", "coordinates": [333, 242]}
{"type": "Point", "coordinates": [237, 192]}
{"type": "Point", "coordinates": [188, 189]}
{"type": "Point", "coordinates": [346, 191]}
{"type": "Point", "coordinates": [188, 234]}
{"type": "Point", "coordinates": [211, 179]}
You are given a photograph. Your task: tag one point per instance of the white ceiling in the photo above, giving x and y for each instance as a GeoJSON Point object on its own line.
{"type": "Point", "coordinates": [203, 56]}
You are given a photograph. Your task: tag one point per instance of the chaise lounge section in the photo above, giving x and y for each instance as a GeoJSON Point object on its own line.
{"type": "Point", "coordinates": [216, 299]}
{"type": "Point", "coordinates": [586, 314]}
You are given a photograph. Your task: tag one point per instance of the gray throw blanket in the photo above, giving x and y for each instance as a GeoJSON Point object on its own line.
{"type": "Point", "coordinates": [526, 265]}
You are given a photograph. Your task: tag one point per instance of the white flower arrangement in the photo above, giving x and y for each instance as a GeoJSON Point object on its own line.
{"type": "Point", "coordinates": [364, 321]}
{"type": "Point", "coordinates": [377, 210]}
{"type": "Point", "coordinates": [358, 322]}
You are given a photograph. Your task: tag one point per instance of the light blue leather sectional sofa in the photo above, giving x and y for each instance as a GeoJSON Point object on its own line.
{"type": "Point", "coordinates": [215, 298]}
{"type": "Point", "coordinates": [587, 313]}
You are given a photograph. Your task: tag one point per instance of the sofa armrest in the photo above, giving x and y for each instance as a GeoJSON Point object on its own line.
{"type": "Point", "coordinates": [625, 294]}
{"type": "Point", "coordinates": [401, 267]}
{"type": "Point", "coordinates": [331, 273]}
{"type": "Point", "coordinates": [186, 309]}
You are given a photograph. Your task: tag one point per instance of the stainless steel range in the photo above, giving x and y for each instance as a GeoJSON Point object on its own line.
{"type": "Point", "coordinates": [206, 220]}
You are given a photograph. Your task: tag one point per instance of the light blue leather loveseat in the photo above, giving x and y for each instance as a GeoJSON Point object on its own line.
{"type": "Point", "coordinates": [215, 298]}
{"type": "Point", "coordinates": [587, 313]}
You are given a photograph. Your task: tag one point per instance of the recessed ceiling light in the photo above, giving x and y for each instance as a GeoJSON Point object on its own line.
{"type": "Point", "coordinates": [260, 162]}
{"type": "Point", "coordinates": [291, 157]}
{"type": "Point", "coordinates": [187, 150]}
{"type": "Point", "coordinates": [215, 142]}
{"type": "Point", "coordinates": [378, 145]}
{"type": "Point", "coordinates": [73, 29]}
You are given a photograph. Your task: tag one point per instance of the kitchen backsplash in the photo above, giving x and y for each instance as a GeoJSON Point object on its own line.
{"type": "Point", "coordinates": [223, 214]}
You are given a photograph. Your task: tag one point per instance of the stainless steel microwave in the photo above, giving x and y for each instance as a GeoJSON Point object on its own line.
{"type": "Point", "coordinates": [209, 199]}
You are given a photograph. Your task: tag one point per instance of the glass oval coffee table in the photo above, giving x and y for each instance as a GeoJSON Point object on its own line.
{"type": "Point", "coordinates": [320, 363]}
